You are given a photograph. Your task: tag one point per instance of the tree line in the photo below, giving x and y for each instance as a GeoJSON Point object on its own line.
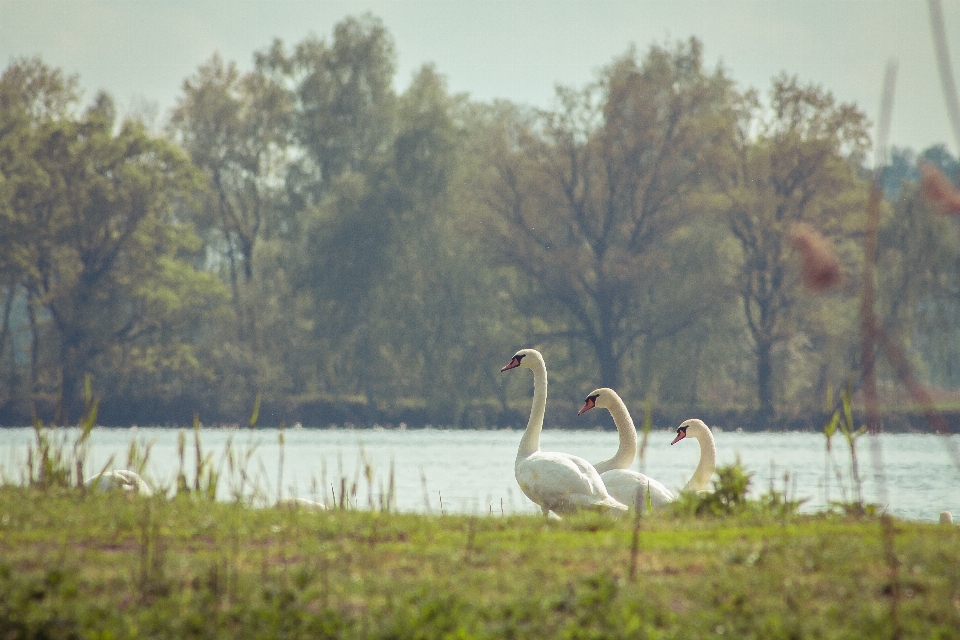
{"type": "Point", "coordinates": [303, 233]}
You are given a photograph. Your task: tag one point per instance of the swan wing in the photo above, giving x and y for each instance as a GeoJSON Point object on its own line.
{"type": "Point", "coordinates": [300, 502]}
{"type": "Point", "coordinates": [562, 482]}
{"type": "Point", "coordinates": [119, 479]}
{"type": "Point", "coordinates": [625, 484]}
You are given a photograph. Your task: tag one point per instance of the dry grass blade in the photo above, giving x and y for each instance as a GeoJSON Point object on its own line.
{"type": "Point", "coordinates": [635, 541]}
{"type": "Point", "coordinates": [919, 392]}
{"type": "Point", "coordinates": [943, 66]}
{"type": "Point", "coordinates": [867, 321]}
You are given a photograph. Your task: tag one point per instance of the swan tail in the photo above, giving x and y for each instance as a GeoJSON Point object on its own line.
{"type": "Point", "coordinates": [605, 503]}
{"type": "Point", "coordinates": [613, 504]}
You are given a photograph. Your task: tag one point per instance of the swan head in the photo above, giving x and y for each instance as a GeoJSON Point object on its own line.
{"type": "Point", "coordinates": [690, 427]}
{"type": "Point", "coordinates": [603, 398]}
{"type": "Point", "coordinates": [525, 358]}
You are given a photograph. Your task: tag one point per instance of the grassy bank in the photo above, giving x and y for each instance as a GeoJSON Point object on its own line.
{"type": "Point", "coordinates": [77, 564]}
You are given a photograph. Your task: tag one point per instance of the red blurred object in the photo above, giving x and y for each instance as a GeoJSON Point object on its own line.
{"type": "Point", "coordinates": [938, 190]}
{"type": "Point", "coordinates": [820, 266]}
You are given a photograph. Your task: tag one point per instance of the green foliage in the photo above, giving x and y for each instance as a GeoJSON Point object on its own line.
{"type": "Point", "coordinates": [842, 419]}
{"type": "Point", "coordinates": [90, 220]}
{"type": "Point", "coordinates": [55, 462]}
{"type": "Point", "coordinates": [793, 161]}
{"type": "Point", "coordinates": [307, 233]}
{"type": "Point", "coordinates": [730, 497]}
{"type": "Point", "coordinates": [583, 201]}
{"type": "Point", "coordinates": [918, 265]}
{"type": "Point", "coordinates": [345, 98]}
{"type": "Point", "coordinates": [102, 567]}
{"type": "Point", "coordinates": [206, 477]}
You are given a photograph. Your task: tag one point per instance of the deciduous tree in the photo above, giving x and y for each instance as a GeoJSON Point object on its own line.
{"type": "Point", "coordinates": [237, 129]}
{"type": "Point", "coordinates": [795, 160]}
{"type": "Point", "coordinates": [89, 216]}
{"type": "Point", "coordinates": [584, 200]}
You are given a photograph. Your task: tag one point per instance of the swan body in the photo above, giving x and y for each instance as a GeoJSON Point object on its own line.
{"type": "Point", "coordinates": [557, 482]}
{"type": "Point", "coordinates": [122, 479]}
{"type": "Point", "coordinates": [294, 503]}
{"type": "Point", "coordinates": [698, 429]}
{"type": "Point", "coordinates": [630, 487]}
{"type": "Point", "coordinates": [626, 485]}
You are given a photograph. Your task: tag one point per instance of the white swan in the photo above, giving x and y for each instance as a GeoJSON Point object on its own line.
{"type": "Point", "coordinates": [556, 482]}
{"type": "Point", "coordinates": [294, 503]}
{"type": "Point", "coordinates": [708, 453]}
{"type": "Point", "coordinates": [119, 479]}
{"type": "Point", "coordinates": [623, 483]}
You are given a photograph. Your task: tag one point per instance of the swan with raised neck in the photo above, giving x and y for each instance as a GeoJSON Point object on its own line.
{"type": "Point", "coordinates": [606, 398]}
{"type": "Point", "coordinates": [557, 482]}
{"type": "Point", "coordinates": [698, 429]}
{"type": "Point", "coordinates": [623, 483]}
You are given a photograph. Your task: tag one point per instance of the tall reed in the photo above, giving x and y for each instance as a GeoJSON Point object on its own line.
{"type": "Point", "coordinates": [206, 478]}
{"type": "Point", "coordinates": [54, 461]}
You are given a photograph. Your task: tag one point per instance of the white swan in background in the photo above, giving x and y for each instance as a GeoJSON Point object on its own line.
{"type": "Point", "coordinates": [556, 482]}
{"type": "Point", "coordinates": [294, 503]}
{"type": "Point", "coordinates": [119, 479]}
{"type": "Point", "coordinates": [623, 483]}
{"type": "Point", "coordinates": [708, 453]}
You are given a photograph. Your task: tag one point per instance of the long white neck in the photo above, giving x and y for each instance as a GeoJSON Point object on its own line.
{"type": "Point", "coordinates": [708, 461]}
{"type": "Point", "coordinates": [627, 451]}
{"type": "Point", "coordinates": [530, 443]}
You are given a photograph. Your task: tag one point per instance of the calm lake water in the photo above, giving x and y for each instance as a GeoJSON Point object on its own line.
{"type": "Point", "coordinates": [472, 471]}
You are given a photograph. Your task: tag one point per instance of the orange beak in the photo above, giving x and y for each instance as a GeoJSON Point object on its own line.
{"type": "Point", "coordinates": [513, 365]}
{"type": "Point", "coordinates": [589, 404]}
{"type": "Point", "coordinates": [680, 436]}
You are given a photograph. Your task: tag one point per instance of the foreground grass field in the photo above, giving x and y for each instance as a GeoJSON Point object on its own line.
{"type": "Point", "coordinates": [77, 564]}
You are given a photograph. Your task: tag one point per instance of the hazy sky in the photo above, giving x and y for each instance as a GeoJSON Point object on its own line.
{"type": "Point", "coordinates": [142, 50]}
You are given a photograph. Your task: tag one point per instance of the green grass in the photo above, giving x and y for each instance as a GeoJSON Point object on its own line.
{"type": "Point", "coordinates": [77, 564]}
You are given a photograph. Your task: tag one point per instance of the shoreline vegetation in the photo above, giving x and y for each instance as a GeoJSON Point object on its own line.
{"type": "Point", "coordinates": [905, 418]}
{"type": "Point", "coordinates": [90, 564]}
{"type": "Point", "coordinates": [81, 562]}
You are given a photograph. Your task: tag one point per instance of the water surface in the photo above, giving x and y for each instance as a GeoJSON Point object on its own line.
{"type": "Point", "coordinates": [472, 471]}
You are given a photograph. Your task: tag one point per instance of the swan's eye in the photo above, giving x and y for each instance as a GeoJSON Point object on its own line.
{"type": "Point", "coordinates": [593, 398]}
{"type": "Point", "coordinates": [519, 357]}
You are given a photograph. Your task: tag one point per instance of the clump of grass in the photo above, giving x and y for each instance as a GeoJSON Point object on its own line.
{"type": "Point", "coordinates": [206, 478]}
{"type": "Point", "coordinates": [730, 497]}
{"type": "Point", "coordinates": [842, 420]}
{"type": "Point", "coordinates": [237, 463]}
{"type": "Point", "coordinates": [53, 460]}
{"type": "Point", "coordinates": [151, 578]}
{"type": "Point", "coordinates": [138, 455]}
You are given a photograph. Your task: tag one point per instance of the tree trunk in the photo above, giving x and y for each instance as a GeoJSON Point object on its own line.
{"type": "Point", "coordinates": [604, 342]}
{"type": "Point", "coordinates": [68, 385]}
{"type": "Point", "coordinates": [609, 364]}
{"type": "Point", "coordinates": [5, 332]}
{"type": "Point", "coordinates": [34, 351]}
{"type": "Point", "coordinates": [765, 381]}
{"type": "Point", "coordinates": [235, 288]}
{"type": "Point", "coordinates": [363, 347]}
{"type": "Point", "coordinates": [645, 374]}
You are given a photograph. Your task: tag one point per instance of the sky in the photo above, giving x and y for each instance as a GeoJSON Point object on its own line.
{"type": "Point", "coordinates": [141, 51]}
